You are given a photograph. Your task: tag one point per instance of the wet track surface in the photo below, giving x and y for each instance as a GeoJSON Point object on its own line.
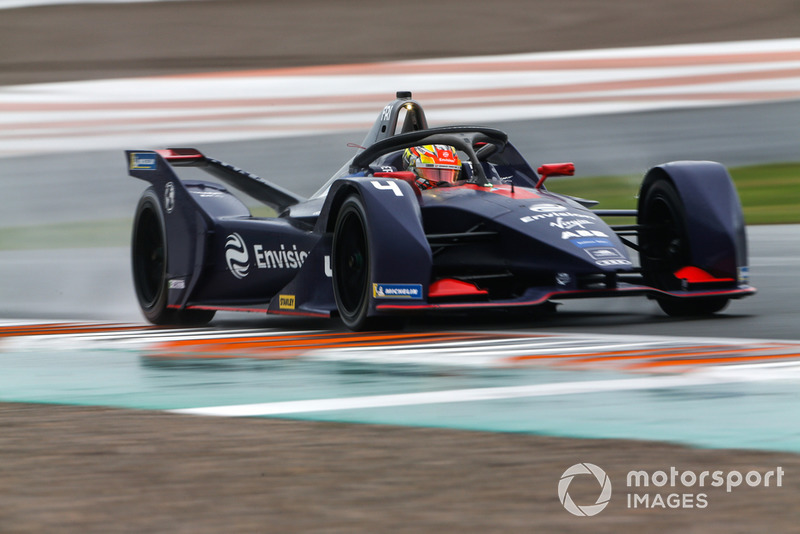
{"type": "Point", "coordinates": [612, 368]}
{"type": "Point", "coordinates": [599, 386]}
{"type": "Point", "coordinates": [95, 284]}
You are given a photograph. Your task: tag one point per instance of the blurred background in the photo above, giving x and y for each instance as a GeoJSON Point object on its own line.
{"type": "Point", "coordinates": [89, 40]}
{"type": "Point", "coordinates": [280, 89]}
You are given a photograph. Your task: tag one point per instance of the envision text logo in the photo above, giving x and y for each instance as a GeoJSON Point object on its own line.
{"type": "Point", "coordinates": [584, 469]}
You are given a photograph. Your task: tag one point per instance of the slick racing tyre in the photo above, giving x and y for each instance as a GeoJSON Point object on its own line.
{"type": "Point", "coordinates": [664, 249]}
{"type": "Point", "coordinates": [149, 262]}
{"type": "Point", "coordinates": [351, 264]}
{"type": "Point", "coordinates": [352, 268]}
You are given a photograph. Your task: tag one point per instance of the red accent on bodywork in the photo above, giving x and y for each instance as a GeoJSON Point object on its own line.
{"type": "Point", "coordinates": [696, 275]}
{"type": "Point", "coordinates": [218, 308]}
{"type": "Point", "coordinates": [298, 313]}
{"type": "Point", "coordinates": [248, 310]}
{"type": "Point", "coordinates": [180, 154]}
{"type": "Point", "coordinates": [406, 176]}
{"type": "Point", "coordinates": [633, 290]}
{"type": "Point", "coordinates": [503, 190]}
{"type": "Point", "coordinates": [554, 169]}
{"type": "Point", "coordinates": [448, 287]}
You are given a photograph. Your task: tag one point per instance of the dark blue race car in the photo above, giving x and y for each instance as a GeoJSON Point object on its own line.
{"type": "Point", "coordinates": [427, 219]}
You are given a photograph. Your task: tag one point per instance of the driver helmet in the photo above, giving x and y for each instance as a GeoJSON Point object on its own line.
{"type": "Point", "coordinates": [434, 165]}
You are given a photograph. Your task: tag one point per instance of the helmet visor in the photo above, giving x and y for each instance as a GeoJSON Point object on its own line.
{"type": "Point", "coordinates": [438, 175]}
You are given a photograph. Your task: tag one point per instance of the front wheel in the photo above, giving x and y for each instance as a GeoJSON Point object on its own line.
{"type": "Point", "coordinates": [693, 307]}
{"type": "Point", "coordinates": [664, 249]}
{"type": "Point", "coordinates": [351, 264]}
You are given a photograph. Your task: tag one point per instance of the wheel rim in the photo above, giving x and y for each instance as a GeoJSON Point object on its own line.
{"type": "Point", "coordinates": [149, 258]}
{"type": "Point", "coordinates": [666, 242]}
{"type": "Point", "coordinates": [667, 248]}
{"type": "Point", "coordinates": [351, 264]}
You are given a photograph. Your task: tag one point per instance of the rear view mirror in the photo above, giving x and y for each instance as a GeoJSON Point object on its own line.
{"type": "Point", "coordinates": [554, 169]}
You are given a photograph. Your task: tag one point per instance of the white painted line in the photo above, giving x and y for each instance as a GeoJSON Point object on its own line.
{"type": "Point", "coordinates": [12, 4]}
{"type": "Point", "coordinates": [489, 355]}
{"type": "Point", "coordinates": [187, 110]}
{"type": "Point", "coordinates": [457, 396]}
{"type": "Point", "coordinates": [134, 339]}
{"type": "Point", "coordinates": [754, 372]}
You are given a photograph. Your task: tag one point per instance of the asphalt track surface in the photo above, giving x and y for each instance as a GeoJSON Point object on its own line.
{"type": "Point", "coordinates": [95, 284]}
{"type": "Point", "coordinates": [96, 469]}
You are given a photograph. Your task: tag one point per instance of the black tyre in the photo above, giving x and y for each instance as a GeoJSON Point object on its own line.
{"type": "Point", "coordinates": [352, 270]}
{"type": "Point", "coordinates": [149, 262]}
{"type": "Point", "coordinates": [351, 264]}
{"type": "Point", "coordinates": [192, 317]}
{"type": "Point", "coordinates": [693, 307]}
{"type": "Point", "coordinates": [664, 248]}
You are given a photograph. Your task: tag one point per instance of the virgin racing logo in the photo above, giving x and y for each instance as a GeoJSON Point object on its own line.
{"type": "Point", "coordinates": [570, 224]}
{"type": "Point", "coordinates": [238, 259]}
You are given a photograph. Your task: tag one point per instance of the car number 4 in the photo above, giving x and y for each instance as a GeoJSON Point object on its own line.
{"type": "Point", "coordinates": [390, 185]}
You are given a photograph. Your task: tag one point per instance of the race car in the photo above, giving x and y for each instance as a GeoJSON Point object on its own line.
{"type": "Point", "coordinates": [425, 220]}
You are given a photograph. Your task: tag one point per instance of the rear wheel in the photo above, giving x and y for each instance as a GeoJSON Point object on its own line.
{"type": "Point", "coordinates": [664, 248]}
{"type": "Point", "coordinates": [149, 262]}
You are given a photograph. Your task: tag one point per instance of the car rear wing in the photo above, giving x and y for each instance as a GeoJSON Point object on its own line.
{"type": "Point", "coordinates": [260, 189]}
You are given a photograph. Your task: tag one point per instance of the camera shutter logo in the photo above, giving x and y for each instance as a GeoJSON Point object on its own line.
{"type": "Point", "coordinates": [584, 469]}
{"type": "Point", "coordinates": [236, 256]}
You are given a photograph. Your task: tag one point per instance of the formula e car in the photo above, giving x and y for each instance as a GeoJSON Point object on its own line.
{"type": "Point", "coordinates": [371, 245]}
